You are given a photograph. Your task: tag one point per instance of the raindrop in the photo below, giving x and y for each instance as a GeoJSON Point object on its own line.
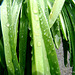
{"type": "Point", "coordinates": [70, 6]}
{"type": "Point", "coordinates": [31, 52]}
{"type": "Point", "coordinates": [58, 29]}
{"type": "Point", "coordinates": [44, 30]}
{"type": "Point", "coordinates": [32, 58]}
{"type": "Point", "coordinates": [16, 68]}
{"type": "Point", "coordinates": [31, 43]}
{"type": "Point", "coordinates": [8, 52]}
{"type": "Point", "coordinates": [49, 52]}
{"type": "Point", "coordinates": [8, 13]}
{"type": "Point", "coordinates": [40, 19]}
{"type": "Point", "coordinates": [9, 61]}
{"type": "Point", "coordinates": [8, 10]}
{"type": "Point", "coordinates": [50, 44]}
{"type": "Point", "coordinates": [22, 36]}
{"type": "Point", "coordinates": [36, 17]}
{"type": "Point", "coordinates": [49, 36]}
{"type": "Point", "coordinates": [46, 7]}
{"type": "Point", "coordinates": [40, 15]}
{"type": "Point", "coordinates": [55, 62]}
{"type": "Point", "coordinates": [7, 25]}
{"type": "Point", "coordinates": [11, 69]}
{"type": "Point", "coordinates": [57, 68]}
{"type": "Point", "coordinates": [37, 34]}
{"type": "Point", "coordinates": [52, 68]}
{"type": "Point", "coordinates": [53, 49]}
{"type": "Point", "coordinates": [51, 13]}
{"type": "Point", "coordinates": [39, 8]}
{"type": "Point", "coordinates": [10, 28]}
{"type": "Point", "coordinates": [37, 26]}
{"type": "Point", "coordinates": [57, 72]}
{"type": "Point", "coordinates": [48, 40]}
{"type": "Point", "coordinates": [47, 69]}
{"type": "Point", "coordinates": [14, 53]}
{"type": "Point", "coordinates": [6, 44]}
{"type": "Point", "coordinates": [35, 11]}
{"type": "Point", "coordinates": [44, 33]}
{"type": "Point", "coordinates": [39, 44]}
{"type": "Point", "coordinates": [30, 34]}
{"type": "Point", "coordinates": [11, 36]}
{"type": "Point", "coordinates": [7, 65]}
{"type": "Point", "coordinates": [29, 28]}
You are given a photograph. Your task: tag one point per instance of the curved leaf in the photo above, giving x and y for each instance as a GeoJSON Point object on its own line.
{"type": "Point", "coordinates": [57, 6]}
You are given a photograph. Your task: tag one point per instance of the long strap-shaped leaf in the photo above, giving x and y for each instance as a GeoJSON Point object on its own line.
{"type": "Point", "coordinates": [55, 11]}
{"type": "Point", "coordinates": [23, 39]}
{"type": "Point", "coordinates": [55, 29]}
{"type": "Point", "coordinates": [12, 15]}
{"type": "Point", "coordinates": [45, 60]}
{"type": "Point", "coordinates": [48, 41]}
{"type": "Point", "coordinates": [71, 34]}
{"type": "Point", "coordinates": [5, 31]}
{"type": "Point", "coordinates": [62, 25]}
{"type": "Point", "coordinates": [13, 32]}
{"type": "Point", "coordinates": [70, 46]}
{"type": "Point", "coordinates": [36, 38]}
{"type": "Point", "coordinates": [2, 58]}
{"type": "Point", "coordinates": [15, 14]}
{"type": "Point", "coordinates": [56, 34]}
{"type": "Point", "coordinates": [71, 11]}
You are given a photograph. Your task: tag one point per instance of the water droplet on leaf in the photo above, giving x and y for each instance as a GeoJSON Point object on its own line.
{"type": "Point", "coordinates": [35, 11]}
{"type": "Point", "coordinates": [52, 68]}
{"type": "Point", "coordinates": [39, 43]}
{"type": "Point", "coordinates": [7, 25]}
{"type": "Point", "coordinates": [16, 68]}
{"type": "Point", "coordinates": [9, 61]}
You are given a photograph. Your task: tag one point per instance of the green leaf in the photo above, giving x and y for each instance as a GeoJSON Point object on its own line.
{"type": "Point", "coordinates": [2, 56]}
{"type": "Point", "coordinates": [56, 34]}
{"type": "Point", "coordinates": [71, 11]}
{"type": "Point", "coordinates": [71, 36]}
{"type": "Point", "coordinates": [5, 31]}
{"type": "Point", "coordinates": [9, 29]}
{"type": "Point", "coordinates": [45, 60]}
{"type": "Point", "coordinates": [57, 6]}
{"type": "Point", "coordinates": [23, 39]}
{"type": "Point", "coordinates": [55, 30]}
{"type": "Point", "coordinates": [47, 38]}
{"type": "Point", "coordinates": [65, 49]}
{"type": "Point", "coordinates": [36, 37]}
{"type": "Point", "coordinates": [62, 25]}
